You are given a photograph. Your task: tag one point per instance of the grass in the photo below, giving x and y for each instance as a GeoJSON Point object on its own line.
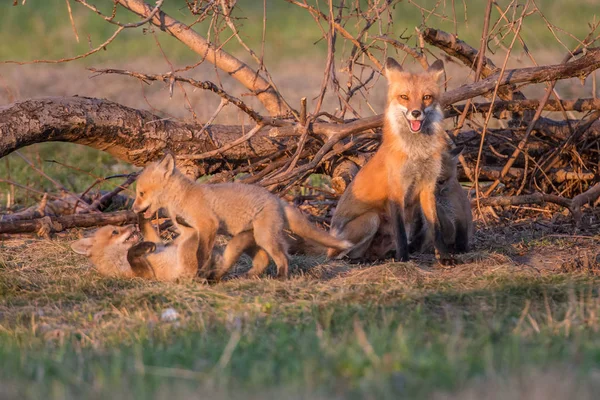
{"type": "Point", "coordinates": [332, 331]}
{"type": "Point", "coordinates": [517, 319]}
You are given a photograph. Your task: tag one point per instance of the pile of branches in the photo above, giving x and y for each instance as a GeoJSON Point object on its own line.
{"type": "Point", "coordinates": [513, 153]}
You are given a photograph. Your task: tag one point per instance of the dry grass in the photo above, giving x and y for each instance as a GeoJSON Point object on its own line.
{"type": "Point", "coordinates": [332, 329]}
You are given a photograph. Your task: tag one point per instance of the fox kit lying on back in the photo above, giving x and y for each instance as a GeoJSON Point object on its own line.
{"type": "Point", "coordinates": [251, 214]}
{"type": "Point", "coordinates": [404, 170]}
{"type": "Point", "coordinates": [114, 253]}
{"type": "Point", "coordinates": [453, 206]}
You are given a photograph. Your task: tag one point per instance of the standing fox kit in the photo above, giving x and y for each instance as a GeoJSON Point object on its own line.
{"type": "Point", "coordinates": [254, 217]}
{"type": "Point", "coordinates": [403, 172]}
{"type": "Point", "coordinates": [114, 253]}
{"type": "Point", "coordinates": [453, 207]}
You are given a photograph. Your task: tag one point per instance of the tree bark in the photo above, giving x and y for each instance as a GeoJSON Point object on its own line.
{"type": "Point", "coordinates": [134, 136]}
{"type": "Point", "coordinates": [46, 225]}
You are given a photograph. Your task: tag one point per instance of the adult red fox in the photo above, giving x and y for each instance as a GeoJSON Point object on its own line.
{"type": "Point", "coordinates": [403, 172]}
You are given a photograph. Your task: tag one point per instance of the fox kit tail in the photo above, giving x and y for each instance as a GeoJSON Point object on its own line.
{"type": "Point", "coordinates": [302, 227]}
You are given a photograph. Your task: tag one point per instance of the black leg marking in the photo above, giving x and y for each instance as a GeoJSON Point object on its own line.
{"type": "Point", "coordinates": [419, 234]}
{"type": "Point", "coordinates": [401, 241]}
{"type": "Point", "coordinates": [461, 244]}
{"type": "Point", "coordinates": [181, 221]}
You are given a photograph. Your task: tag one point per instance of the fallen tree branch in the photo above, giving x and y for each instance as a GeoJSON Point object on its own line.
{"type": "Point", "coordinates": [47, 225]}
{"type": "Point", "coordinates": [573, 205]}
{"type": "Point", "coordinates": [536, 198]}
{"type": "Point", "coordinates": [581, 67]}
{"type": "Point", "coordinates": [579, 105]}
{"type": "Point", "coordinates": [134, 136]}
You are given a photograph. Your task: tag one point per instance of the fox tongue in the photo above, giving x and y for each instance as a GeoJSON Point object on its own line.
{"type": "Point", "coordinates": [415, 125]}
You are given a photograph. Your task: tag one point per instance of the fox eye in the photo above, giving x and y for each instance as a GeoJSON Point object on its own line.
{"type": "Point", "coordinates": [427, 97]}
{"type": "Point", "coordinates": [115, 232]}
{"type": "Point", "coordinates": [404, 97]}
{"type": "Point", "coordinates": [141, 194]}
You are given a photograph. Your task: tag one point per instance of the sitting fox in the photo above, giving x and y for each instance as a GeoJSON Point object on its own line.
{"type": "Point", "coordinates": [403, 172]}
{"type": "Point", "coordinates": [453, 210]}
{"type": "Point", "coordinates": [113, 252]}
{"type": "Point", "coordinates": [254, 217]}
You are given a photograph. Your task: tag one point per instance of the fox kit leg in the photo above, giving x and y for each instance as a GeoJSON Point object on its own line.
{"type": "Point", "coordinates": [396, 210]}
{"type": "Point", "coordinates": [187, 254]}
{"type": "Point", "coordinates": [359, 231]}
{"type": "Point", "coordinates": [428, 205]}
{"type": "Point", "coordinates": [268, 234]}
{"type": "Point", "coordinates": [461, 242]}
{"type": "Point", "coordinates": [136, 256]}
{"type": "Point", "coordinates": [260, 261]}
{"type": "Point", "coordinates": [148, 231]}
{"type": "Point", "coordinates": [234, 249]}
{"type": "Point", "coordinates": [204, 241]}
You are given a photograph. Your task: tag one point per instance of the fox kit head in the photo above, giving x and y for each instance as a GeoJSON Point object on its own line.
{"type": "Point", "coordinates": [150, 185]}
{"type": "Point", "coordinates": [104, 238]}
{"type": "Point", "coordinates": [449, 164]}
{"type": "Point", "coordinates": [413, 99]}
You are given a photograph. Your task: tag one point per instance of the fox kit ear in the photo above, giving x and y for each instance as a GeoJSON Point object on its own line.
{"type": "Point", "coordinates": [457, 151]}
{"type": "Point", "coordinates": [167, 164]}
{"type": "Point", "coordinates": [392, 65]}
{"type": "Point", "coordinates": [82, 246]}
{"type": "Point", "coordinates": [436, 69]}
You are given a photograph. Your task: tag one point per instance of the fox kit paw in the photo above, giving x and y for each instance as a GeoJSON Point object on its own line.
{"type": "Point", "coordinates": [143, 248]}
{"type": "Point", "coordinates": [446, 260]}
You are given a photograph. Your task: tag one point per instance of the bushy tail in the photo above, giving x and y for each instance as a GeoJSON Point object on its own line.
{"type": "Point", "coordinates": [300, 225]}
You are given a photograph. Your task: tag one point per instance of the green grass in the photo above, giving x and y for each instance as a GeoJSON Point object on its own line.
{"type": "Point", "coordinates": [79, 168]}
{"type": "Point", "coordinates": [382, 332]}
{"type": "Point", "coordinates": [41, 29]}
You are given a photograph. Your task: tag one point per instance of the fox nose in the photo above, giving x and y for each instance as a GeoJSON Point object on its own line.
{"type": "Point", "coordinates": [416, 113]}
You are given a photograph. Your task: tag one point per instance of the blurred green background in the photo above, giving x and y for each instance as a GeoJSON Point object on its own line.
{"type": "Point", "coordinates": [41, 28]}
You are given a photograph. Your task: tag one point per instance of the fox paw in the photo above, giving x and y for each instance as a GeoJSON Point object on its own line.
{"type": "Point", "coordinates": [446, 260]}
{"type": "Point", "coordinates": [143, 248]}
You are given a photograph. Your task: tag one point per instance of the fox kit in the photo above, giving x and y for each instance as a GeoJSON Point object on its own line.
{"type": "Point", "coordinates": [403, 172]}
{"type": "Point", "coordinates": [114, 253]}
{"type": "Point", "coordinates": [254, 217]}
{"type": "Point", "coordinates": [453, 206]}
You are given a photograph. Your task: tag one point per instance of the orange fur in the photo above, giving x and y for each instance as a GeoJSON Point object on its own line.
{"type": "Point", "coordinates": [403, 172]}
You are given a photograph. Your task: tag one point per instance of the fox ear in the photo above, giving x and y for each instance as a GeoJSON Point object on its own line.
{"type": "Point", "coordinates": [457, 151]}
{"type": "Point", "coordinates": [82, 246]}
{"type": "Point", "coordinates": [167, 164]}
{"type": "Point", "coordinates": [392, 65]}
{"type": "Point", "coordinates": [436, 69]}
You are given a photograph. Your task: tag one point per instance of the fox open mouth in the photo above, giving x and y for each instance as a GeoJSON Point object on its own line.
{"type": "Point", "coordinates": [146, 212]}
{"type": "Point", "coordinates": [134, 236]}
{"type": "Point", "coordinates": [415, 125]}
